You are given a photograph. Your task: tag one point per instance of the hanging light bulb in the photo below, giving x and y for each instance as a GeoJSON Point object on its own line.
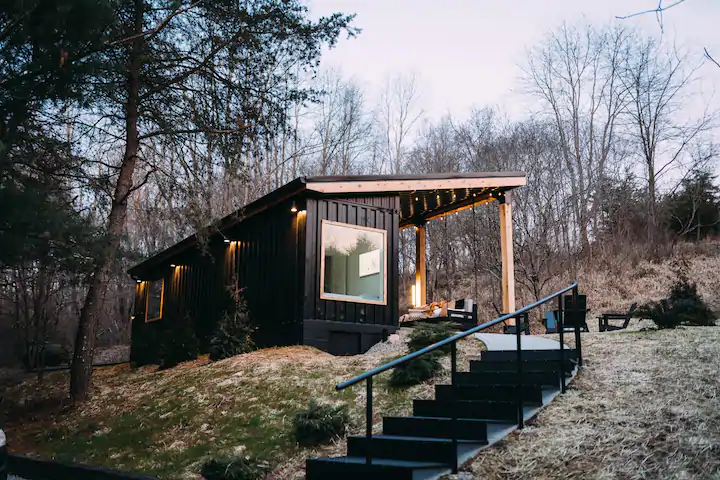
{"type": "Point", "coordinates": [294, 208]}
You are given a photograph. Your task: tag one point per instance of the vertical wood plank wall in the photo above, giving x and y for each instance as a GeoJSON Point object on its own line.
{"type": "Point", "coordinates": [262, 256]}
{"type": "Point", "coordinates": [375, 212]}
{"type": "Point", "coordinates": [275, 256]}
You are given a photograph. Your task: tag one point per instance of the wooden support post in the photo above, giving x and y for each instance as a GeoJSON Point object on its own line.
{"type": "Point", "coordinates": [506, 252]}
{"type": "Point", "coordinates": [420, 265]}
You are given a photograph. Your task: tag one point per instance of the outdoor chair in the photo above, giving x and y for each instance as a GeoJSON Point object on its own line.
{"type": "Point", "coordinates": [464, 311]}
{"type": "Point", "coordinates": [552, 320]}
{"type": "Point", "coordinates": [604, 319]}
{"type": "Point", "coordinates": [575, 313]}
{"type": "Point", "coordinates": [521, 322]}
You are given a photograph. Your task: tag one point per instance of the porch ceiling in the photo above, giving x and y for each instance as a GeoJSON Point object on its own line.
{"type": "Point", "coordinates": [421, 206]}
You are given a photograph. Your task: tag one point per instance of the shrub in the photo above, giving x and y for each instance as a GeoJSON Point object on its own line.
{"type": "Point", "coordinates": [320, 423]}
{"type": "Point", "coordinates": [53, 355]}
{"type": "Point", "coordinates": [233, 334]}
{"type": "Point", "coordinates": [427, 334]}
{"type": "Point", "coordinates": [689, 306]}
{"type": "Point", "coordinates": [416, 371]}
{"type": "Point", "coordinates": [234, 468]}
{"type": "Point", "coordinates": [684, 305]}
{"type": "Point", "coordinates": [179, 343]}
{"type": "Point", "coordinates": [661, 313]}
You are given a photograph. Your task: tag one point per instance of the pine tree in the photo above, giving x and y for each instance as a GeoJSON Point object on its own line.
{"type": "Point", "coordinates": [233, 334]}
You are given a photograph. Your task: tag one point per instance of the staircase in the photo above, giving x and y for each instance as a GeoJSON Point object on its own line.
{"type": "Point", "coordinates": [480, 407]}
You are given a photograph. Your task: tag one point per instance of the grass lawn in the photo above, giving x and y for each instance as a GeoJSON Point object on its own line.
{"type": "Point", "coordinates": [647, 405]}
{"type": "Point", "coordinates": [165, 423]}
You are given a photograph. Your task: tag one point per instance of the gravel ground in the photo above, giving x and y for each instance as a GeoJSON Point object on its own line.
{"type": "Point", "coordinates": [384, 347]}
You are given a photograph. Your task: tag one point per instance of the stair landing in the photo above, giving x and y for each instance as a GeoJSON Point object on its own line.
{"type": "Point", "coordinates": [501, 341]}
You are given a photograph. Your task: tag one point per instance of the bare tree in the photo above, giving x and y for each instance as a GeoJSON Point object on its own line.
{"type": "Point", "coordinates": [657, 89]}
{"type": "Point", "coordinates": [398, 114]}
{"type": "Point", "coordinates": [575, 74]}
{"type": "Point", "coordinates": [342, 126]}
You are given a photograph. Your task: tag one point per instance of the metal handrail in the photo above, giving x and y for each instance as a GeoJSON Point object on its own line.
{"type": "Point", "coordinates": [453, 339]}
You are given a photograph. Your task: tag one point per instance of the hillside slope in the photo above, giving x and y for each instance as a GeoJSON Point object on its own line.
{"type": "Point", "coordinates": [166, 423]}
{"type": "Point", "coordinates": [646, 405]}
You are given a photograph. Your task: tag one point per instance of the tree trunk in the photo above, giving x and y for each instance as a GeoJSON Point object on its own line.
{"type": "Point", "coordinates": [81, 370]}
{"type": "Point", "coordinates": [652, 228]}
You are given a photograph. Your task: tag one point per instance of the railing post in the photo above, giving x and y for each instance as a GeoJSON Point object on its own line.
{"type": "Point", "coordinates": [368, 421]}
{"type": "Point", "coordinates": [561, 331]}
{"type": "Point", "coordinates": [453, 388]}
{"type": "Point", "coordinates": [578, 340]}
{"type": "Point", "coordinates": [520, 413]}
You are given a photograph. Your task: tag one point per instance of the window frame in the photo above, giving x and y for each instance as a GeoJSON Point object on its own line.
{"type": "Point", "coordinates": [147, 300]}
{"type": "Point", "coordinates": [335, 296]}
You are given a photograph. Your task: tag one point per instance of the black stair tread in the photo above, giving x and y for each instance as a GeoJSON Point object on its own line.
{"type": "Point", "coordinates": [497, 386]}
{"type": "Point", "coordinates": [479, 402]}
{"type": "Point", "coordinates": [481, 392]}
{"type": "Point", "coordinates": [511, 355]}
{"type": "Point", "coordinates": [420, 417]}
{"type": "Point", "coordinates": [464, 419]}
{"type": "Point", "coordinates": [511, 372]}
{"type": "Point", "coordinates": [539, 363]}
{"type": "Point", "coordinates": [390, 462]}
{"type": "Point", "coordinates": [417, 439]}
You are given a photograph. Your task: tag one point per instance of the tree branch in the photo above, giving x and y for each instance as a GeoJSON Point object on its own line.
{"type": "Point", "coordinates": [154, 31]}
{"type": "Point", "coordinates": [657, 11]}
{"type": "Point", "coordinates": [140, 185]}
{"type": "Point", "coordinates": [709, 57]}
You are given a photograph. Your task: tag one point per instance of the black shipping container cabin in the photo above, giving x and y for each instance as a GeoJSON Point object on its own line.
{"type": "Point", "coordinates": [316, 259]}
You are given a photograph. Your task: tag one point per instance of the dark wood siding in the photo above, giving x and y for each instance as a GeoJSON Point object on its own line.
{"type": "Point", "coordinates": [267, 265]}
{"type": "Point", "coordinates": [353, 213]}
{"type": "Point", "coordinates": [262, 258]}
{"type": "Point", "coordinates": [391, 203]}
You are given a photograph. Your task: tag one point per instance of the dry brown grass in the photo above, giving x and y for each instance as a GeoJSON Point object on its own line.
{"type": "Point", "coordinates": [166, 422]}
{"type": "Point", "coordinates": [616, 285]}
{"type": "Point", "coordinates": [646, 405]}
{"type": "Point", "coordinates": [613, 281]}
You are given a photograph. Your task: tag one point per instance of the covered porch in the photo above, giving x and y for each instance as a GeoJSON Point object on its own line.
{"type": "Point", "coordinates": [425, 198]}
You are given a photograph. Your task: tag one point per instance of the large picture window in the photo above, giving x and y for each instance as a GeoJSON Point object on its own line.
{"type": "Point", "coordinates": [154, 305]}
{"type": "Point", "coordinates": [353, 263]}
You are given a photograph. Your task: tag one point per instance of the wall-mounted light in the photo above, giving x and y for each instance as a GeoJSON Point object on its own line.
{"type": "Point", "coordinates": [138, 281]}
{"type": "Point", "coordinates": [172, 265]}
{"type": "Point", "coordinates": [294, 208]}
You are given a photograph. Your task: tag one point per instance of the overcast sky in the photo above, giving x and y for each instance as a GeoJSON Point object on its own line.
{"type": "Point", "coordinates": [468, 53]}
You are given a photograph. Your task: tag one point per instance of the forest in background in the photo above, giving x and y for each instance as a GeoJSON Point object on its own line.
{"type": "Point", "coordinates": [127, 126]}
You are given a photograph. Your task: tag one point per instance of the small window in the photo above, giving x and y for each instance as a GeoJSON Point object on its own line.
{"type": "Point", "coordinates": [154, 305]}
{"type": "Point", "coordinates": [353, 263]}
